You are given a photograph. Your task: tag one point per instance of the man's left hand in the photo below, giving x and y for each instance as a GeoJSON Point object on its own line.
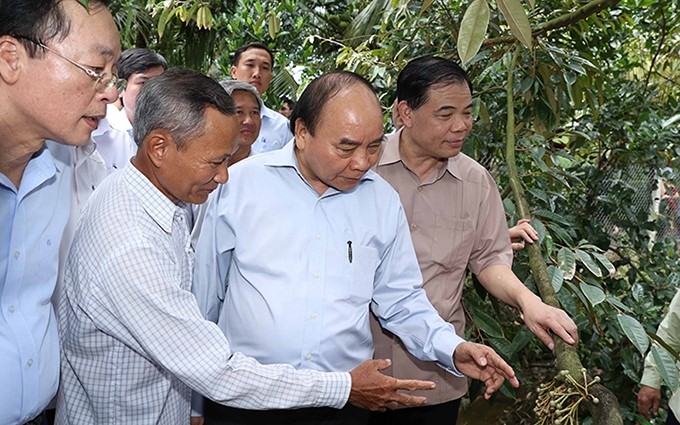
{"type": "Point", "coordinates": [540, 317]}
{"type": "Point", "coordinates": [482, 363]}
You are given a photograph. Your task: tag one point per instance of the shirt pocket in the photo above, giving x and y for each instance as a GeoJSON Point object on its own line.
{"type": "Point", "coordinates": [451, 240]}
{"type": "Point", "coordinates": [361, 273]}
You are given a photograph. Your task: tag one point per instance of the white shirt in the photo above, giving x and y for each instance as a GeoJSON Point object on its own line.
{"type": "Point", "coordinates": [133, 339]}
{"type": "Point", "coordinates": [305, 284]}
{"type": "Point", "coordinates": [274, 133]}
{"type": "Point", "coordinates": [114, 140]}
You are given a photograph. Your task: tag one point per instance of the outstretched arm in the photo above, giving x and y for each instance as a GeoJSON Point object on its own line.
{"type": "Point", "coordinates": [539, 317]}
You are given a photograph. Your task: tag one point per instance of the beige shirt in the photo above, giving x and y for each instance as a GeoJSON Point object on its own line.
{"type": "Point", "coordinates": [457, 223]}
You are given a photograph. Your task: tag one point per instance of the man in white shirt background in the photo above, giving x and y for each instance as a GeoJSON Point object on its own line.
{"type": "Point", "coordinates": [253, 64]}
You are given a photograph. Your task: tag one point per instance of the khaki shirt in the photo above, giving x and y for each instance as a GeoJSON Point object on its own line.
{"type": "Point", "coordinates": [457, 223]}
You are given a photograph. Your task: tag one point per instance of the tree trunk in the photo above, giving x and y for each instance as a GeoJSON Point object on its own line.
{"type": "Point", "coordinates": [607, 411]}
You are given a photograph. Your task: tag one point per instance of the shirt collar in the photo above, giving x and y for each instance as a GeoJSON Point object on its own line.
{"type": "Point", "coordinates": [391, 155]}
{"type": "Point", "coordinates": [285, 157]}
{"type": "Point", "coordinates": [161, 209]}
{"type": "Point", "coordinates": [266, 112]}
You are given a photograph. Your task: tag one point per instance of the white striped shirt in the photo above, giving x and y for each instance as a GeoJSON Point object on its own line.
{"type": "Point", "coordinates": [133, 339]}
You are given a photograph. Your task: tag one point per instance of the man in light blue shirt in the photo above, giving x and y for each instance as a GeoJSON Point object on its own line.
{"type": "Point", "coordinates": [48, 94]}
{"type": "Point", "coordinates": [298, 289]}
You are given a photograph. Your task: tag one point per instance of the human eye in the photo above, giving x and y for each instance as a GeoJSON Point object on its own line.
{"type": "Point", "coordinates": [374, 147]}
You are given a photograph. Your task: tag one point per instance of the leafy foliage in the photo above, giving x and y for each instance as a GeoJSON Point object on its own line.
{"type": "Point", "coordinates": [596, 100]}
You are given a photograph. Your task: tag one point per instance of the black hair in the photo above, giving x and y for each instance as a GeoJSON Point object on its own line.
{"type": "Point", "coordinates": [176, 102]}
{"type": "Point", "coordinates": [427, 72]}
{"type": "Point", "coordinates": [138, 60]}
{"type": "Point", "coordinates": [36, 21]}
{"type": "Point", "coordinates": [254, 45]}
{"type": "Point", "coordinates": [309, 107]}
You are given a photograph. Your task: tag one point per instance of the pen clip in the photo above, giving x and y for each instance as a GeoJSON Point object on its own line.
{"type": "Point", "coordinates": [349, 251]}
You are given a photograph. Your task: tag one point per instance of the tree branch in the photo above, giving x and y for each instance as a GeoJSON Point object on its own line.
{"type": "Point", "coordinates": [581, 13]}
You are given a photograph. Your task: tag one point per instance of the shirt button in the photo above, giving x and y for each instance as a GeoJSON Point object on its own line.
{"type": "Point", "coordinates": [313, 315]}
{"type": "Point", "coordinates": [17, 254]}
{"type": "Point", "coordinates": [317, 275]}
{"type": "Point", "coordinates": [11, 309]}
{"type": "Point", "coordinates": [420, 188]}
{"type": "Point", "coordinates": [29, 363]}
{"type": "Point", "coordinates": [414, 227]}
{"type": "Point", "coordinates": [308, 357]}
{"type": "Point", "coordinates": [318, 236]}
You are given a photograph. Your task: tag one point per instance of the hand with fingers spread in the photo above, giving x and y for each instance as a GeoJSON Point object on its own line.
{"type": "Point", "coordinates": [522, 232]}
{"type": "Point", "coordinates": [648, 401]}
{"type": "Point", "coordinates": [482, 363]}
{"type": "Point", "coordinates": [372, 390]}
{"type": "Point", "coordinates": [540, 317]}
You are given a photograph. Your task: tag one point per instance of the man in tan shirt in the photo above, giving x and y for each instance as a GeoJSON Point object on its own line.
{"type": "Point", "coordinates": [457, 223]}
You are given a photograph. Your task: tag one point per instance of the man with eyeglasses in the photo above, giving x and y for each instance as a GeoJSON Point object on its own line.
{"type": "Point", "coordinates": [56, 76]}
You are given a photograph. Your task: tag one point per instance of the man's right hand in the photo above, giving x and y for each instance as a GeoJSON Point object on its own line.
{"type": "Point", "coordinates": [648, 399]}
{"type": "Point", "coordinates": [372, 390]}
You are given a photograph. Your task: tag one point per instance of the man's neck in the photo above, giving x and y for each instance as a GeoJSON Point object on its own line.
{"type": "Point", "coordinates": [241, 153]}
{"type": "Point", "coordinates": [16, 152]}
{"type": "Point", "coordinates": [419, 162]}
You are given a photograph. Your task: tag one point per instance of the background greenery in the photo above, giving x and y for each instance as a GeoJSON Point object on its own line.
{"type": "Point", "coordinates": [596, 89]}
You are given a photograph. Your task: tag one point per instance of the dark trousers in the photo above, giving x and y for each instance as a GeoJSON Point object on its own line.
{"type": "Point", "coordinates": [439, 414]}
{"type": "Point", "coordinates": [671, 419]}
{"type": "Point", "coordinates": [216, 414]}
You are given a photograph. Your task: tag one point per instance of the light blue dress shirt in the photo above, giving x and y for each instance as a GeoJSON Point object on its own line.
{"type": "Point", "coordinates": [303, 269]}
{"type": "Point", "coordinates": [32, 220]}
{"type": "Point", "coordinates": [274, 132]}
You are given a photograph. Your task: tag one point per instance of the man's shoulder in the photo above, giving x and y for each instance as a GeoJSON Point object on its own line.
{"type": "Point", "coordinates": [467, 169]}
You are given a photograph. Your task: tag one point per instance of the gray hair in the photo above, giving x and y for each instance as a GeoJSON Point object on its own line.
{"type": "Point", "coordinates": [234, 85]}
{"type": "Point", "coordinates": [176, 101]}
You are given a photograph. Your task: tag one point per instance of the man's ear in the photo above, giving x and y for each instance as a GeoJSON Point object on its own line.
{"type": "Point", "coordinates": [11, 55]}
{"type": "Point", "coordinates": [301, 134]}
{"type": "Point", "coordinates": [158, 146]}
{"type": "Point", "coordinates": [232, 70]}
{"type": "Point", "coordinates": [405, 113]}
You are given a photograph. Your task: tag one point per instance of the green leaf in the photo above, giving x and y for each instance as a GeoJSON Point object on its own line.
{"type": "Point", "coordinates": [501, 345]}
{"type": "Point", "coordinates": [426, 5]}
{"type": "Point", "coordinates": [605, 263]}
{"type": "Point", "coordinates": [588, 261]}
{"type": "Point", "coordinates": [163, 20]}
{"type": "Point", "coordinates": [666, 367]}
{"type": "Point", "coordinates": [540, 229]}
{"type": "Point", "coordinates": [552, 216]}
{"type": "Point", "coordinates": [521, 339]}
{"type": "Point", "coordinates": [594, 294]}
{"type": "Point", "coordinates": [487, 324]}
{"type": "Point", "coordinates": [556, 277]}
{"type": "Point", "coordinates": [473, 30]}
{"type": "Point", "coordinates": [635, 332]}
{"type": "Point", "coordinates": [517, 19]}
{"type": "Point", "coordinates": [566, 261]}
{"type": "Point", "coordinates": [274, 25]}
{"type": "Point", "coordinates": [561, 233]}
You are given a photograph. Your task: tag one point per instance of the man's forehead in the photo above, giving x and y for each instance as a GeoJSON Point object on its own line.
{"type": "Point", "coordinates": [255, 53]}
{"type": "Point", "coordinates": [92, 28]}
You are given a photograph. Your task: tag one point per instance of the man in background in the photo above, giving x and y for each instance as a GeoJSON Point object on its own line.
{"type": "Point", "coordinates": [253, 64]}
{"type": "Point", "coordinates": [248, 106]}
{"type": "Point", "coordinates": [649, 397]}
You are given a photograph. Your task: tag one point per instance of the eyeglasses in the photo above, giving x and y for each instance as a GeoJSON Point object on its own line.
{"type": "Point", "coordinates": [102, 81]}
